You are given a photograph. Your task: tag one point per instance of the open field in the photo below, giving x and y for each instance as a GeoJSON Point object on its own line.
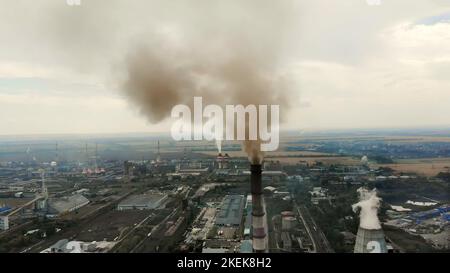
{"type": "Point", "coordinates": [294, 157]}
{"type": "Point", "coordinates": [399, 137]}
{"type": "Point", "coordinates": [14, 202]}
{"type": "Point", "coordinates": [298, 154]}
{"type": "Point", "coordinates": [407, 242]}
{"type": "Point", "coordinates": [327, 160]}
{"type": "Point", "coordinates": [425, 166]}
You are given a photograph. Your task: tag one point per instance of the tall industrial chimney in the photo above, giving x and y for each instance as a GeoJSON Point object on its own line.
{"type": "Point", "coordinates": [259, 233]}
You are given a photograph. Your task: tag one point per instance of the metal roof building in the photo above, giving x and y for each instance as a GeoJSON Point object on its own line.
{"type": "Point", "coordinates": [231, 211]}
{"type": "Point", "coordinates": [246, 246]}
{"type": "Point", "coordinates": [67, 204]}
{"type": "Point", "coordinates": [4, 209]}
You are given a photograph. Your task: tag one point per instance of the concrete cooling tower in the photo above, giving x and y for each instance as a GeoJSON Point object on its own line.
{"type": "Point", "coordinates": [370, 237]}
{"type": "Point", "coordinates": [370, 241]}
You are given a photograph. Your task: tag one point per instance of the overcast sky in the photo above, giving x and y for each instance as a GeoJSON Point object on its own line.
{"type": "Point", "coordinates": [351, 64]}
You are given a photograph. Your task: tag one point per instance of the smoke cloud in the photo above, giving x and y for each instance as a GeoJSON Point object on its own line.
{"type": "Point", "coordinates": [225, 62]}
{"type": "Point", "coordinates": [163, 53]}
{"type": "Point", "coordinates": [369, 203]}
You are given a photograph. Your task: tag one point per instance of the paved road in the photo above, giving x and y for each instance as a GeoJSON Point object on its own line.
{"type": "Point", "coordinates": [307, 226]}
{"type": "Point", "coordinates": [324, 245]}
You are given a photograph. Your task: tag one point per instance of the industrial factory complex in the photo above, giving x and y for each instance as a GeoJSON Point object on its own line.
{"type": "Point", "coordinates": [207, 202]}
{"type": "Point", "coordinates": [230, 211]}
{"type": "Point", "coordinates": [224, 135]}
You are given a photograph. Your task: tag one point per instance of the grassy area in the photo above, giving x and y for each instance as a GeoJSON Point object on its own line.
{"type": "Point", "coordinates": [407, 242]}
{"type": "Point", "coordinates": [424, 166]}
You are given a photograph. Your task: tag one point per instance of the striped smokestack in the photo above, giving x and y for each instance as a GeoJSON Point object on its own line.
{"type": "Point", "coordinates": [259, 233]}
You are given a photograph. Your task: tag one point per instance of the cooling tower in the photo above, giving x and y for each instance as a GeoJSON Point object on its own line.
{"type": "Point", "coordinates": [370, 241]}
{"type": "Point", "coordinates": [259, 233]}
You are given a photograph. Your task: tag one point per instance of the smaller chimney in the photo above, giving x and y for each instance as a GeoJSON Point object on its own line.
{"type": "Point", "coordinates": [226, 159]}
{"type": "Point", "coordinates": [220, 161]}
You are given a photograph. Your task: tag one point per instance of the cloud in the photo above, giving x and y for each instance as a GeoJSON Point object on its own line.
{"type": "Point", "coordinates": [406, 85]}
{"type": "Point", "coordinates": [354, 65]}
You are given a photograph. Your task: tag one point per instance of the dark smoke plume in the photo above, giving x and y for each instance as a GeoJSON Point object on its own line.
{"type": "Point", "coordinates": [236, 66]}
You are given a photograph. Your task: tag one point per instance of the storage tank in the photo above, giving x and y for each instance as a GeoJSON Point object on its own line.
{"type": "Point", "coordinates": [288, 223]}
{"type": "Point", "coordinates": [287, 214]}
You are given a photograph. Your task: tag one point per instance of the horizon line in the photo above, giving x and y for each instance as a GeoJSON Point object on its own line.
{"type": "Point", "coordinates": [300, 131]}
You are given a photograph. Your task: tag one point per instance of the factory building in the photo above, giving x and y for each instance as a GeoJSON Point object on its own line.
{"type": "Point", "coordinates": [424, 215]}
{"type": "Point", "coordinates": [187, 172]}
{"type": "Point", "coordinates": [318, 194]}
{"type": "Point", "coordinates": [231, 211]}
{"type": "Point", "coordinates": [248, 217]}
{"type": "Point", "coordinates": [268, 174]}
{"type": "Point", "coordinates": [66, 204]}
{"type": "Point", "coordinates": [151, 200]}
{"type": "Point", "coordinates": [5, 209]}
{"type": "Point", "coordinates": [133, 170]}
{"type": "Point", "coordinates": [4, 223]}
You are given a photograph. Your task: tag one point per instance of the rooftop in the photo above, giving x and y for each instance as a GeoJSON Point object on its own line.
{"type": "Point", "coordinates": [231, 210]}
{"type": "Point", "coordinates": [68, 203]}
